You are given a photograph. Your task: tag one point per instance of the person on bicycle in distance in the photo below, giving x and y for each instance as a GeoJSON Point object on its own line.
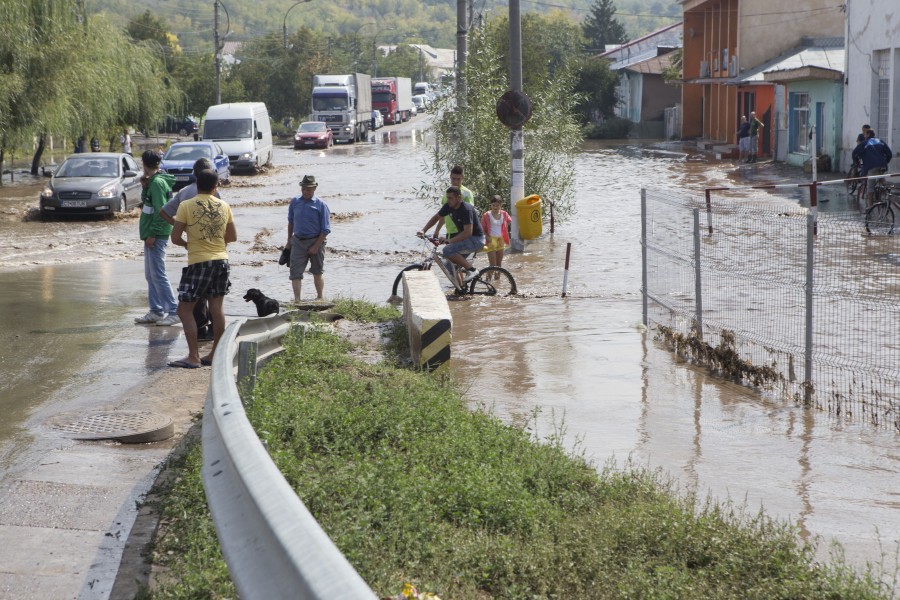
{"type": "Point", "coordinates": [469, 236]}
{"type": "Point", "coordinates": [875, 156]}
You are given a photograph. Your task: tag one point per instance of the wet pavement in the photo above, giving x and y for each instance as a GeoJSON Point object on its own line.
{"type": "Point", "coordinates": [581, 367]}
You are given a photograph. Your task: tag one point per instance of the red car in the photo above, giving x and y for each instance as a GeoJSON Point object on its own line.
{"type": "Point", "coordinates": [313, 134]}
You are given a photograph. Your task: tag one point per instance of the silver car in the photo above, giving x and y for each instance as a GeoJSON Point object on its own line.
{"type": "Point", "coordinates": [95, 183]}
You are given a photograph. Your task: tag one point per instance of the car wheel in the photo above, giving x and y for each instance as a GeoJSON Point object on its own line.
{"type": "Point", "coordinates": [182, 132]}
{"type": "Point", "coordinates": [123, 204]}
{"type": "Point", "coordinates": [46, 216]}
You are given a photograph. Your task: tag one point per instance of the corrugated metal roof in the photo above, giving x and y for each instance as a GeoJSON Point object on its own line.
{"type": "Point", "coordinates": [820, 56]}
{"type": "Point", "coordinates": [654, 65]}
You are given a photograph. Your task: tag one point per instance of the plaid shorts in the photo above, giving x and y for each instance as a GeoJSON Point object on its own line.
{"type": "Point", "coordinates": [207, 279]}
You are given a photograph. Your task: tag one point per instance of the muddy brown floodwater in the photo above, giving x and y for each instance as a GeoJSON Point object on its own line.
{"type": "Point", "coordinates": [581, 366]}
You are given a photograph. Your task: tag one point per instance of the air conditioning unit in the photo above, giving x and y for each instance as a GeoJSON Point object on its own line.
{"type": "Point", "coordinates": [704, 68]}
{"type": "Point", "coordinates": [733, 67]}
{"type": "Point", "coordinates": [715, 65]}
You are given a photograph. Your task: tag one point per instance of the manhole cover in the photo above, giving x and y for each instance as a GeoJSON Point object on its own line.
{"type": "Point", "coordinates": [132, 427]}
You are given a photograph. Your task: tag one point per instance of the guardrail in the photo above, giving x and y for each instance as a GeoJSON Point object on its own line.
{"type": "Point", "coordinates": [272, 544]}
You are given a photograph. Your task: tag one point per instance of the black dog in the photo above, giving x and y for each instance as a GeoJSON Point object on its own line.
{"type": "Point", "coordinates": [264, 304]}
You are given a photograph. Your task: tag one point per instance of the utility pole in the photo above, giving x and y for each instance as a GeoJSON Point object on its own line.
{"type": "Point", "coordinates": [516, 136]}
{"type": "Point", "coordinates": [461, 52]}
{"type": "Point", "coordinates": [217, 50]}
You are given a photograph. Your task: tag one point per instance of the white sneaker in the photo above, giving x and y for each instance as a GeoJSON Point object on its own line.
{"type": "Point", "coordinates": [470, 275]}
{"type": "Point", "coordinates": [150, 317]}
{"type": "Point", "coordinates": [170, 320]}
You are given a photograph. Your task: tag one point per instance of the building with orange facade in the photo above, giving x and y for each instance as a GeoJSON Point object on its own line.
{"type": "Point", "coordinates": [725, 38]}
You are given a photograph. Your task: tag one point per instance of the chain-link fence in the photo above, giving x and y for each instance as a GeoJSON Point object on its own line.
{"type": "Point", "coordinates": [778, 296]}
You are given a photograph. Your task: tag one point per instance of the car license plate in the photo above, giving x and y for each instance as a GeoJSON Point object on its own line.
{"type": "Point", "coordinates": [309, 142]}
{"type": "Point", "coordinates": [182, 178]}
{"type": "Point", "coordinates": [74, 203]}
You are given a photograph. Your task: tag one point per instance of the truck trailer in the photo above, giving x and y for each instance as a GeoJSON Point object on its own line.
{"type": "Point", "coordinates": [392, 97]}
{"type": "Point", "coordinates": [345, 103]}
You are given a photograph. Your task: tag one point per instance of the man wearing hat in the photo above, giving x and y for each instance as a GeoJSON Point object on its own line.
{"type": "Point", "coordinates": [309, 223]}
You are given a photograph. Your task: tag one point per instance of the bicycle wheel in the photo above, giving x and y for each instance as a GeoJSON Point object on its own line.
{"type": "Point", "coordinates": [398, 283]}
{"type": "Point", "coordinates": [493, 281]}
{"type": "Point", "coordinates": [880, 219]}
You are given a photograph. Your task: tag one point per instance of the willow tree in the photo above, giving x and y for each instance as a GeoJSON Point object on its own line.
{"type": "Point", "coordinates": [475, 138]}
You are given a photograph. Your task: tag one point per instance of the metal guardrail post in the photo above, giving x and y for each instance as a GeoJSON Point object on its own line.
{"type": "Point", "coordinates": [246, 375]}
{"type": "Point", "coordinates": [811, 225]}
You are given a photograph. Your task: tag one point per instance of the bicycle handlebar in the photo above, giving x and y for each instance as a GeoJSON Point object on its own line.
{"type": "Point", "coordinates": [434, 240]}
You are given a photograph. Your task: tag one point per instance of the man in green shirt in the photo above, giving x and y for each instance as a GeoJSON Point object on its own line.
{"type": "Point", "coordinates": [456, 177]}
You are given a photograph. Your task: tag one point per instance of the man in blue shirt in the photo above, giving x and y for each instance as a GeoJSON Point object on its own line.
{"type": "Point", "coordinates": [875, 156]}
{"type": "Point", "coordinates": [309, 223]}
{"type": "Point", "coordinates": [469, 236]}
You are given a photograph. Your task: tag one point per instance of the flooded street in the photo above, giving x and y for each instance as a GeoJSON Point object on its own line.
{"type": "Point", "coordinates": [581, 366]}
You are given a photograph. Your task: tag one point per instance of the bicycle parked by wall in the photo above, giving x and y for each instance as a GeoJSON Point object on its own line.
{"type": "Point", "coordinates": [880, 217]}
{"type": "Point", "coordinates": [489, 281]}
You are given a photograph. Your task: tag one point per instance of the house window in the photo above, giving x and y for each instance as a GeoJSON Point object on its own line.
{"type": "Point", "coordinates": [799, 121]}
{"type": "Point", "coordinates": [882, 59]}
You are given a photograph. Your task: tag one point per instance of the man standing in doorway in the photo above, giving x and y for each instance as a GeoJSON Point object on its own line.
{"type": "Point", "coordinates": [309, 223]}
{"type": "Point", "coordinates": [755, 125]}
{"type": "Point", "coordinates": [456, 178]}
{"type": "Point", "coordinates": [743, 135]}
{"type": "Point", "coordinates": [209, 225]}
{"type": "Point", "coordinates": [157, 190]}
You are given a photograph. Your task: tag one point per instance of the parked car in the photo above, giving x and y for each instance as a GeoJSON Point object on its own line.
{"type": "Point", "coordinates": [183, 126]}
{"type": "Point", "coordinates": [180, 158]}
{"type": "Point", "coordinates": [377, 120]}
{"type": "Point", "coordinates": [413, 111]}
{"type": "Point", "coordinates": [313, 134]}
{"type": "Point", "coordinates": [99, 183]}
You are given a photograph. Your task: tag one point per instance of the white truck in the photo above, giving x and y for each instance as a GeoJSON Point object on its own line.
{"type": "Point", "coordinates": [243, 131]}
{"type": "Point", "coordinates": [345, 103]}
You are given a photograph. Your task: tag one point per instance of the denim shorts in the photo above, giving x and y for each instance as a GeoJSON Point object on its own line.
{"type": "Point", "coordinates": [467, 246]}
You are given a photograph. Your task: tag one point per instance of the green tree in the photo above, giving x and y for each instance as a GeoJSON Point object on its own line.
{"type": "Point", "coordinates": [402, 62]}
{"type": "Point", "coordinates": [596, 85]}
{"type": "Point", "coordinates": [475, 138]}
{"type": "Point", "coordinates": [601, 26]}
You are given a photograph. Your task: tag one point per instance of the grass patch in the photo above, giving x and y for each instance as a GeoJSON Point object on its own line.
{"type": "Point", "coordinates": [412, 486]}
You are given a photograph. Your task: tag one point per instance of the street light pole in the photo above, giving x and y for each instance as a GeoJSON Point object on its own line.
{"type": "Point", "coordinates": [359, 49]}
{"type": "Point", "coordinates": [217, 48]}
{"type": "Point", "coordinates": [375, 51]}
{"type": "Point", "coordinates": [284, 24]}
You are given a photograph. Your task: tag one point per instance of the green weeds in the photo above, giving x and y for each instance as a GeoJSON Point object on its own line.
{"type": "Point", "coordinates": [412, 486]}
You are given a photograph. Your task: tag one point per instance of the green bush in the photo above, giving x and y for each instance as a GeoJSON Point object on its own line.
{"type": "Point", "coordinates": [614, 128]}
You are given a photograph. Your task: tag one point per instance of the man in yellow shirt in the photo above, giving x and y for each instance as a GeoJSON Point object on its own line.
{"type": "Point", "coordinates": [209, 226]}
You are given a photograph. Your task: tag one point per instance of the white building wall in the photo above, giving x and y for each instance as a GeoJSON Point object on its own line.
{"type": "Point", "coordinates": [872, 82]}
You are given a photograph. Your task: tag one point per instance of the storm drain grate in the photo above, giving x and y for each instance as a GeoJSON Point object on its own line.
{"type": "Point", "coordinates": [125, 426]}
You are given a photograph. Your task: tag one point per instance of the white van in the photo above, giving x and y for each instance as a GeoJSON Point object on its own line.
{"type": "Point", "coordinates": [244, 132]}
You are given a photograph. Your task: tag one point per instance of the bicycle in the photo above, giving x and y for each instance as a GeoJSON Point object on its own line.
{"type": "Point", "coordinates": [856, 186]}
{"type": "Point", "coordinates": [489, 281]}
{"type": "Point", "coordinates": [880, 216]}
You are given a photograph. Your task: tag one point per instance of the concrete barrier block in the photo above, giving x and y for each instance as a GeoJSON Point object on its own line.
{"type": "Point", "coordinates": [427, 317]}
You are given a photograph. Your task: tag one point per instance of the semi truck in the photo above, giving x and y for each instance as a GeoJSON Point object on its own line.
{"type": "Point", "coordinates": [345, 103]}
{"type": "Point", "coordinates": [392, 97]}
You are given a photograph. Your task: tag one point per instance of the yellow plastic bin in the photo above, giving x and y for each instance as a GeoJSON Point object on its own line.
{"type": "Point", "coordinates": [528, 210]}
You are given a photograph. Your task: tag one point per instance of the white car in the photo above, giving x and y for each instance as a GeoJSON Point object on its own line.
{"type": "Point", "coordinates": [377, 120]}
{"type": "Point", "coordinates": [420, 102]}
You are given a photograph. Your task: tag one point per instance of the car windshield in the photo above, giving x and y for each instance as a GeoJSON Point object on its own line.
{"type": "Point", "coordinates": [325, 101]}
{"type": "Point", "coordinates": [312, 127]}
{"type": "Point", "coordinates": [88, 167]}
{"type": "Point", "coordinates": [192, 152]}
{"type": "Point", "coordinates": [227, 129]}
{"type": "Point", "coordinates": [386, 96]}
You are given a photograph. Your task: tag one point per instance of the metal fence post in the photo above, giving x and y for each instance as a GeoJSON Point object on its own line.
{"type": "Point", "coordinates": [246, 375]}
{"type": "Point", "coordinates": [698, 282]}
{"type": "Point", "coordinates": [644, 257]}
{"type": "Point", "coordinates": [808, 341]}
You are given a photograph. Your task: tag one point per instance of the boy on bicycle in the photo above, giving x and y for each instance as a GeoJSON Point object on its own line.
{"type": "Point", "coordinates": [469, 236]}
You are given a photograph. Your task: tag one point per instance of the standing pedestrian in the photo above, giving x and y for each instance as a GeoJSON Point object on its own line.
{"type": "Point", "coordinates": [495, 225]}
{"type": "Point", "coordinates": [743, 135]}
{"type": "Point", "coordinates": [209, 225]}
{"type": "Point", "coordinates": [201, 309]}
{"type": "Point", "coordinates": [309, 223]}
{"type": "Point", "coordinates": [755, 125]}
{"type": "Point", "coordinates": [456, 179]}
{"type": "Point", "coordinates": [126, 142]}
{"type": "Point", "coordinates": [154, 231]}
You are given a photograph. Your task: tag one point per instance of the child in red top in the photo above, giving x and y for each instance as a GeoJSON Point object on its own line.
{"type": "Point", "coordinates": [495, 224]}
